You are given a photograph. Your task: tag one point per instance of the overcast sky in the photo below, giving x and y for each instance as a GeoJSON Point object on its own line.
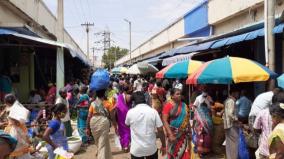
{"type": "Point", "coordinates": [148, 17]}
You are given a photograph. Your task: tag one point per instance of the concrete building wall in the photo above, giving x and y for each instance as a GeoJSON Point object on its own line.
{"type": "Point", "coordinates": [159, 43]}
{"type": "Point", "coordinates": [220, 10]}
{"type": "Point", "coordinates": [37, 10]}
{"type": "Point", "coordinates": [34, 13]}
{"type": "Point", "coordinates": [237, 14]}
{"type": "Point", "coordinates": [166, 36]}
{"type": "Point", "coordinates": [8, 18]}
{"type": "Point", "coordinates": [192, 24]}
{"type": "Point", "coordinates": [152, 53]}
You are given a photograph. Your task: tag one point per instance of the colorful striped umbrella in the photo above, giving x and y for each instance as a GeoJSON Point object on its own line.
{"type": "Point", "coordinates": [280, 81]}
{"type": "Point", "coordinates": [179, 69]}
{"type": "Point", "coordinates": [229, 70]}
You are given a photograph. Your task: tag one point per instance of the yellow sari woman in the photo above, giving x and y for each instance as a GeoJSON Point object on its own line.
{"type": "Point", "coordinates": [276, 138]}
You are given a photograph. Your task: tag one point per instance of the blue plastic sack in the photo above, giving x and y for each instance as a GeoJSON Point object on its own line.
{"type": "Point", "coordinates": [242, 149]}
{"type": "Point", "coordinates": [99, 80]}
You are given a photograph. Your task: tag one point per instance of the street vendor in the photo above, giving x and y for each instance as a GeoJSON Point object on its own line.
{"type": "Point", "coordinates": [17, 129]}
{"type": "Point", "coordinates": [7, 144]}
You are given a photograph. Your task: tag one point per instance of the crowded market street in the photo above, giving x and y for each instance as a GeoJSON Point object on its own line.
{"type": "Point", "coordinates": [143, 79]}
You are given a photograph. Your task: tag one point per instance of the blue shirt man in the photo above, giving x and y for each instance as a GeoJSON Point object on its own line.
{"type": "Point", "coordinates": [244, 106]}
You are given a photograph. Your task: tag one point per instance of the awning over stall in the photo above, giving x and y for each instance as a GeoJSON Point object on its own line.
{"type": "Point", "coordinates": [177, 58]}
{"type": "Point", "coordinates": [245, 34]}
{"type": "Point", "coordinates": [72, 50]}
{"type": "Point", "coordinates": [245, 37]}
{"type": "Point", "coordinates": [28, 37]}
{"type": "Point", "coordinates": [154, 60]}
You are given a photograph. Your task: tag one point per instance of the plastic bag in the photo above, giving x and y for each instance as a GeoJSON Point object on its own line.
{"type": "Point", "coordinates": [62, 154]}
{"type": "Point", "coordinates": [117, 142]}
{"type": "Point", "coordinates": [243, 151]}
{"type": "Point", "coordinates": [99, 80]}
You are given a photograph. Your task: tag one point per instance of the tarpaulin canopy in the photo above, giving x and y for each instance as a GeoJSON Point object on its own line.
{"type": "Point", "coordinates": [245, 36]}
{"type": "Point", "coordinates": [218, 43]}
{"type": "Point", "coordinates": [177, 58]}
{"type": "Point", "coordinates": [73, 52]}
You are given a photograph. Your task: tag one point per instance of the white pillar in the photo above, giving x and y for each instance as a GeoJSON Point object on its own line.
{"type": "Point", "coordinates": [60, 21]}
{"type": "Point", "coordinates": [60, 51]}
{"type": "Point", "coordinates": [59, 69]}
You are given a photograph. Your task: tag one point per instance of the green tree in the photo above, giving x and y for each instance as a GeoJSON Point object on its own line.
{"type": "Point", "coordinates": [112, 54]}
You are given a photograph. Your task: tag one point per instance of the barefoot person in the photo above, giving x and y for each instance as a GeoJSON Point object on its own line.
{"type": "Point", "coordinates": [98, 123]}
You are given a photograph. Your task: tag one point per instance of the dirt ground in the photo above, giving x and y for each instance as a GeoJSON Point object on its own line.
{"type": "Point", "coordinates": [90, 151]}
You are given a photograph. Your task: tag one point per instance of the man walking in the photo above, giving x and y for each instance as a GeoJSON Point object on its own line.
{"type": "Point", "coordinates": [143, 122]}
{"type": "Point", "coordinates": [261, 102]}
{"type": "Point", "coordinates": [231, 125]}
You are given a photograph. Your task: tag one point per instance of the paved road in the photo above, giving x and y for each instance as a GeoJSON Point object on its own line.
{"type": "Point", "coordinates": [90, 151]}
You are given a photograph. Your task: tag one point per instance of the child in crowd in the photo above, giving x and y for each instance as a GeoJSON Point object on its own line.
{"type": "Point", "coordinates": [54, 133]}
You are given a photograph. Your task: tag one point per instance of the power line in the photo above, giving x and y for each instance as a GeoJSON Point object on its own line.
{"type": "Point", "coordinates": [82, 8]}
{"type": "Point", "coordinates": [77, 8]}
{"type": "Point", "coordinates": [77, 18]}
{"type": "Point", "coordinates": [105, 43]}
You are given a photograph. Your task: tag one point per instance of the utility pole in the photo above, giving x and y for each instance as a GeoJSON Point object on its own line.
{"type": "Point", "coordinates": [93, 57]}
{"type": "Point", "coordinates": [115, 53]}
{"type": "Point", "coordinates": [269, 15]}
{"type": "Point", "coordinates": [87, 25]}
{"type": "Point", "coordinates": [129, 23]}
{"type": "Point", "coordinates": [106, 42]}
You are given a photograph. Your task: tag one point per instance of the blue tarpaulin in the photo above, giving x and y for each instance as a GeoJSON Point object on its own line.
{"type": "Point", "coordinates": [168, 53]}
{"type": "Point", "coordinates": [194, 48]}
{"type": "Point", "coordinates": [245, 37]}
{"type": "Point", "coordinates": [214, 44]}
{"type": "Point", "coordinates": [154, 60]}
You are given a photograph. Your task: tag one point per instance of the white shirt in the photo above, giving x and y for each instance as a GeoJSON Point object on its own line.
{"type": "Point", "coordinates": [261, 102]}
{"type": "Point", "coordinates": [143, 121]}
{"type": "Point", "coordinates": [64, 101]}
{"type": "Point", "coordinates": [138, 84]}
{"type": "Point", "coordinates": [178, 86]}
{"type": "Point", "coordinates": [201, 99]}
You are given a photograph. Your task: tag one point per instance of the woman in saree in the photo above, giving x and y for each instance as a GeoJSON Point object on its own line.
{"type": "Point", "coordinates": [17, 129]}
{"type": "Point", "coordinates": [175, 117]}
{"type": "Point", "coordinates": [98, 123]}
{"type": "Point", "coordinates": [83, 106]}
{"type": "Point", "coordinates": [203, 129]}
{"type": "Point", "coordinates": [122, 107]}
{"type": "Point", "coordinates": [276, 138]}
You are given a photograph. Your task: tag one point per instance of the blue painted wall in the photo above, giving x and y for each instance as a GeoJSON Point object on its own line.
{"type": "Point", "coordinates": [196, 21]}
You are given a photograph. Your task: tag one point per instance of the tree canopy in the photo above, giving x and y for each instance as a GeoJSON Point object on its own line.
{"type": "Point", "coordinates": [113, 54]}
